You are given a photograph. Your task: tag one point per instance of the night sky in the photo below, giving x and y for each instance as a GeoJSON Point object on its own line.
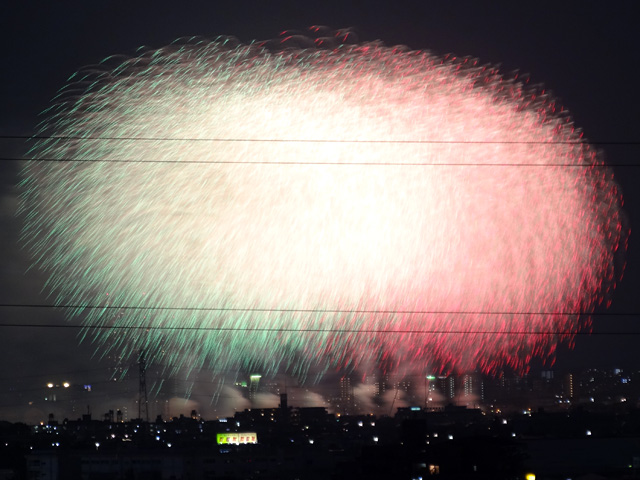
{"type": "Point", "coordinates": [586, 53]}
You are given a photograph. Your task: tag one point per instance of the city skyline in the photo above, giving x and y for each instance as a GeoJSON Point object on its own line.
{"type": "Point", "coordinates": [378, 395]}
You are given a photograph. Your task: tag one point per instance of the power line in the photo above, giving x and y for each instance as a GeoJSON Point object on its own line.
{"type": "Point", "coordinates": [279, 162]}
{"type": "Point", "coordinates": [318, 141]}
{"type": "Point", "coordinates": [311, 310]}
{"type": "Point", "coordinates": [313, 330]}
{"type": "Point", "coordinates": [309, 140]}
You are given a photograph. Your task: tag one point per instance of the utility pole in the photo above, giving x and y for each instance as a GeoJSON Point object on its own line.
{"type": "Point", "coordinates": [143, 404]}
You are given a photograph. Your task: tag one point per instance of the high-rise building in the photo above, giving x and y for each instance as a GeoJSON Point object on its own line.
{"type": "Point", "coordinates": [381, 385]}
{"type": "Point", "coordinates": [472, 388]}
{"type": "Point", "coordinates": [447, 386]}
{"type": "Point", "coordinates": [569, 386]}
{"type": "Point", "coordinates": [346, 396]}
{"type": "Point", "coordinates": [254, 383]}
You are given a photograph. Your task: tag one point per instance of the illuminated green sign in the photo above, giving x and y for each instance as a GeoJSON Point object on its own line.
{"type": "Point", "coordinates": [237, 438]}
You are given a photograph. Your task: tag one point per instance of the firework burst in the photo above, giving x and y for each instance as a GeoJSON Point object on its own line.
{"type": "Point", "coordinates": [283, 208]}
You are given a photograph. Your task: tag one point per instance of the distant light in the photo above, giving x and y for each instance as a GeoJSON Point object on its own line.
{"type": "Point", "coordinates": [530, 476]}
{"type": "Point", "coordinates": [66, 384]}
{"type": "Point", "coordinates": [169, 445]}
{"type": "Point", "coordinates": [311, 441]}
{"type": "Point", "coordinates": [450, 437]}
{"type": "Point", "coordinates": [50, 385]}
{"type": "Point", "coordinates": [375, 439]}
{"type": "Point", "coordinates": [588, 433]}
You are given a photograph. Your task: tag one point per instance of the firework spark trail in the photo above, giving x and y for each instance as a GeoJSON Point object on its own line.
{"type": "Point", "coordinates": [257, 179]}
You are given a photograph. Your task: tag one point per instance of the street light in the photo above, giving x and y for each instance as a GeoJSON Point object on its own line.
{"type": "Point", "coordinates": [51, 386]}
{"type": "Point", "coordinates": [64, 384]}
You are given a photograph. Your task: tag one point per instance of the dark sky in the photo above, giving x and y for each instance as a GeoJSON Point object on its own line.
{"type": "Point", "coordinates": [585, 52]}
